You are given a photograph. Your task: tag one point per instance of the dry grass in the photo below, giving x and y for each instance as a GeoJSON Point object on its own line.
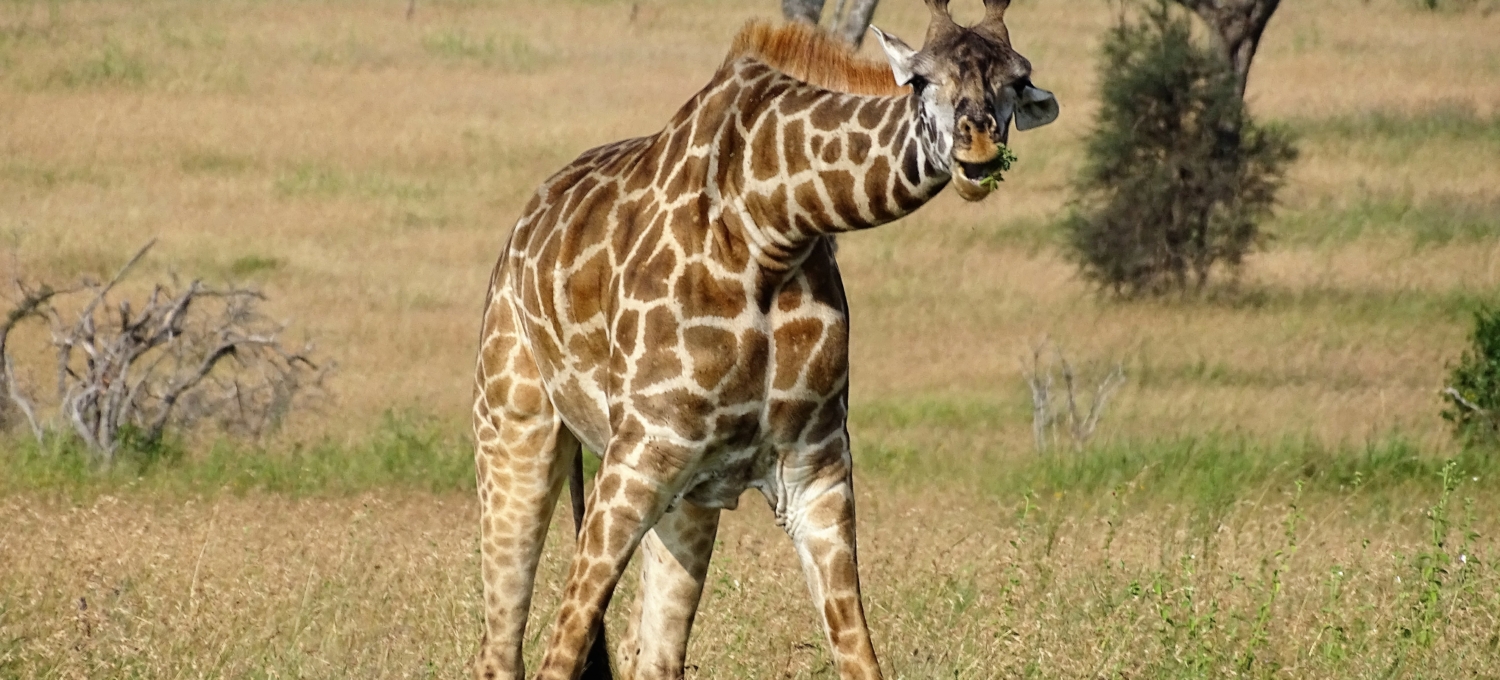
{"type": "Point", "coordinates": [1109, 586]}
{"type": "Point", "coordinates": [364, 170]}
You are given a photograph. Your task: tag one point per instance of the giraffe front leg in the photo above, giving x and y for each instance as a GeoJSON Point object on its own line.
{"type": "Point", "coordinates": [820, 521]}
{"type": "Point", "coordinates": [674, 563]}
{"type": "Point", "coordinates": [633, 490]}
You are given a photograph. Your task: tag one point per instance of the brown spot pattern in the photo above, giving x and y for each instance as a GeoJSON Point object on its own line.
{"type": "Point", "coordinates": [877, 189]}
{"type": "Point", "coordinates": [859, 147]}
{"type": "Point", "coordinates": [713, 352]}
{"type": "Point", "coordinates": [840, 187]}
{"type": "Point", "coordinates": [794, 343]}
{"type": "Point", "coordinates": [793, 148]}
{"type": "Point", "coordinates": [650, 282]}
{"type": "Point", "coordinates": [832, 112]}
{"type": "Point", "coordinates": [699, 293]}
{"type": "Point", "coordinates": [833, 150]}
{"type": "Point", "coordinates": [765, 162]}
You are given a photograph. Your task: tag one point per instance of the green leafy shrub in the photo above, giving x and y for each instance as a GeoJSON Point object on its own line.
{"type": "Point", "coordinates": [1473, 392]}
{"type": "Point", "coordinates": [1177, 175]}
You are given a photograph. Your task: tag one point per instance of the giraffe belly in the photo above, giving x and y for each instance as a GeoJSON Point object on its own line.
{"type": "Point", "coordinates": [728, 463]}
{"type": "Point", "coordinates": [723, 478]}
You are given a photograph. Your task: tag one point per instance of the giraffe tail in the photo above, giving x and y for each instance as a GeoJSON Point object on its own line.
{"type": "Point", "coordinates": [596, 665]}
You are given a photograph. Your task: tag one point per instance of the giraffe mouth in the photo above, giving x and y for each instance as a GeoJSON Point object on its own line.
{"type": "Point", "coordinates": [976, 172]}
{"type": "Point", "coordinates": [970, 179]}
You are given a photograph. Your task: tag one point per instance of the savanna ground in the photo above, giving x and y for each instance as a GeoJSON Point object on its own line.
{"type": "Point", "coordinates": [1269, 494]}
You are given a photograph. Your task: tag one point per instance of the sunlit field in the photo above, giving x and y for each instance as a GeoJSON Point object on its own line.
{"type": "Point", "coordinates": [1265, 495]}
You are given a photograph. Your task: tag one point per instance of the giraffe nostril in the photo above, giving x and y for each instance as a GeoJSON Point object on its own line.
{"type": "Point", "coordinates": [980, 126]}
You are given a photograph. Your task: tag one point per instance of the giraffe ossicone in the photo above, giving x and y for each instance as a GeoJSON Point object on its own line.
{"type": "Point", "coordinates": [673, 303]}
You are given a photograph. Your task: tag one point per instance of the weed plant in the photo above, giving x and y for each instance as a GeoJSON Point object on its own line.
{"type": "Point", "coordinates": [1473, 393]}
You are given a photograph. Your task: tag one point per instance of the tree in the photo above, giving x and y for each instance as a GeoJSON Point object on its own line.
{"type": "Point", "coordinates": [849, 20]}
{"type": "Point", "coordinates": [1177, 175]}
{"type": "Point", "coordinates": [1239, 25]}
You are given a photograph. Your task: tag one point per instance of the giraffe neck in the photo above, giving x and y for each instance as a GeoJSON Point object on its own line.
{"type": "Point", "coordinates": [818, 162]}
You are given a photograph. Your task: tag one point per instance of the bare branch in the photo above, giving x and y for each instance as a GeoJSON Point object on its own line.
{"type": "Point", "coordinates": [1102, 393]}
{"type": "Point", "coordinates": [1459, 398]}
{"type": "Point", "coordinates": [1040, 382]}
{"type": "Point", "coordinates": [34, 304]}
{"type": "Point", "coordinates": [119, 276]}
{"type": "Point", "coordinates": [12, 392]}
{"type": "Point", "coordinates": [1072, 402]}
{"type": "Point", "coordinates": [181, 356]}
{"type": "Point", "coordinates": [1045, 414]}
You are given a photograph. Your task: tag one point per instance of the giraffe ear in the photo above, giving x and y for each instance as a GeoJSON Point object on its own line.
{"type": "Point", "coordinates": [902, 57]}
{"type": "Point", "coordinates": [1037, 107]}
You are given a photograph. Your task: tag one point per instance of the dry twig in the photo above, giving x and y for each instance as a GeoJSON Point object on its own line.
{"type": "Point", "coordinates": [1045, 413]}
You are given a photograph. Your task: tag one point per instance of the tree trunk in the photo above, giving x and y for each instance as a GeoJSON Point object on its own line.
{"type": "Point", "coordinates": [1239, 24]}
{"type": "Point", "coordinates": [806, 11]}
{"type": "Point", "coordinates": [853, 24]}
{"type": "Point", "coordinates": [849, 21]}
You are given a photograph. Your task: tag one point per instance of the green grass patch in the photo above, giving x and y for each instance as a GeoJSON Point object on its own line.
{"type": "Point", "coordinates": [313, 180]}
{"type": "Point", "coordinates": [215, 162]}
{"type": "Point", "coordinates": [1341, 305]}
{"type": "Point", "coordinates": [111, 66]}
{"type": "Point", "coordinates": [1213, 470]}
{"type": "Point", "coordinates": [309, 179]}
{"type": "Point", "coordinates": [1433, 221]}
{"type": "Point", "coordinates": [1454, 121]}
{"type": "Point", "coordinates": [431, 218]}
{"type": "Point", "coordinates": [403, 452]}
{"type": "Point", "coordinates": [1033, 235]}
{"type": "Point", "coordinates": [49, 177]}
{"type": "Point", "coordinates": [1226, 467]}
{"type": "Point", "coordinates": [510, 53]}
{"type": "Point", "coordinates": [414, 453]}
{"type": "Point", "coordinates": [250, 265]}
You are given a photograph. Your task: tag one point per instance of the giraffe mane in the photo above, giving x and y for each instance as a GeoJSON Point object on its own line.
{"type": "Point", "coordinates": [814, 56]}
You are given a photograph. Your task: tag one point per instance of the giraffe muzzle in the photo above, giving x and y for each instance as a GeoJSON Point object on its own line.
{"type": "Point", "coordinates": [977, 139]}
{"type": "Point", "coordinates": [977, 145]}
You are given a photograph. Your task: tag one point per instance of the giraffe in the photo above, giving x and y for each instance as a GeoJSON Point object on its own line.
{"type": "Point", "coordinates": [672, 302]}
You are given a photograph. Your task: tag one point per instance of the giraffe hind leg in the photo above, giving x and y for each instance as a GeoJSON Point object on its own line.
{"type": "Point", "coordinates": [522, 457]}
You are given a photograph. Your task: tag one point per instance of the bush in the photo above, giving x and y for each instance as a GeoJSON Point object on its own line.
{"type": "Point", "coordinates": [1473, 392]}
{"type": "Point", "coordinates": [1176, 175]}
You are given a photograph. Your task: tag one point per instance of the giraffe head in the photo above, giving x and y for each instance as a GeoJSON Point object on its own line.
{"type": "Point", "coordinates": [972, 85]}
